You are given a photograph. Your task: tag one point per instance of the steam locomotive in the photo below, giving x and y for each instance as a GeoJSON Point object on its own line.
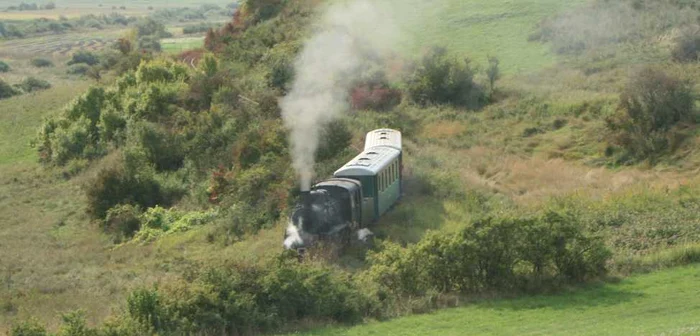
{"type": "Point", "coordinates": [359, 193]}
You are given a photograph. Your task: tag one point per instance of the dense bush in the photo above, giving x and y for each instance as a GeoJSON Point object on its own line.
{"type": "Point", "coordinates": [687, 47]}
{"type": "Point", "coordinates": [245, 300]}
{"type": "Point", "coordinates": [84, 57]}
{"type": "Point", "coordinates": [4, 67]}
{"type": "Point", "coordinates": [151, 27]}
{"type": "Point", "coordinates": [31, 84]}
{"type": "Point", "coordinates": [78, 69]}
{"type": "Point", "coordinates": [7, 90]}
{"type": "Point", "coordinates": [123, 220]}
{"type": "Point", "coordinates": [441, 79]}
{"type": "Point", "coordinates": [492, 254]}
{"type": "Point", "coordinates": [652, 103]}
{"type": "Point", "coordinates": [120, 185]}
{"type": "Point", "coordinates": [41, 62]}
{"type": "Point", "coordinates": [261, 10]}
{"type": "Point", "coordinates": [28, 328]}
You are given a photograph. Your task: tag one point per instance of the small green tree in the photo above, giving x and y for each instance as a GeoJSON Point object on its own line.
{"type": "Point", "coordinates": [4, 67]}
{"type": "Point", "coordinates": [493, 72]}
{"type": "Point", "coordinates": [442, 79]}
{"type": "Point", "coordinates": [28, 328]}
{"type": "Point", "coordinates": [650, 106]}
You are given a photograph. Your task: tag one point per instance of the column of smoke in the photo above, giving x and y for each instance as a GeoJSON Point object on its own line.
{"type": "Point", "coordinates": [330, 62]}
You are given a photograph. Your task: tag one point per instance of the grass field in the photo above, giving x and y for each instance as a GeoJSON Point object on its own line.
{"type": "Point", "coordinates": [663, 303]}
{"type": "Point", "coordinates": [477, 29]}
{"type": "Point", "coordinates": [178, 45]}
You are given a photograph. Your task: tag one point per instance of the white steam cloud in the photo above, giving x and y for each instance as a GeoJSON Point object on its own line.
{"type": "Point", "coordinates": [330, 62]}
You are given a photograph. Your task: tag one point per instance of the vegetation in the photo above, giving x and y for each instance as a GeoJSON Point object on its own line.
{"type": "Point", "coordinates": [439, 79]}
{"type": "Point", "coordinates": [4, 67]}
{"type": "Point", "coordinates": [664, 302]}
{"type": "Point", "coordinates": [175, 167]}
{"type": "Point", "coordinates": [41, 62]}
{"type": "Point", "coordinates": [652, 104]}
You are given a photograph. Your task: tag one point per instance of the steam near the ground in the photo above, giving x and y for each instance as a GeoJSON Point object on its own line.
{"type": "Point", "coordinates": [331, 61]}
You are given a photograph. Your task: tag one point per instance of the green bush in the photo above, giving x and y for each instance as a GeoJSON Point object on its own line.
{"type": "Point", "coordinates": [4, 67]}
{"type": "Point", "coordinates": [74, 324]}
{"type": "Point", "coordinates": [149, 44]}
{"type": "Point", "coordinates": [123, 220]}
{"type": "Point", "coordinates": [113, 186]}
{"type": "Point", "coordinates": [652, 103]}
{"type": "Point", "coordinates": [441, 79]}
{"type": "Point", "coordinates": [41, 62]}
{"type": "Point", "coordinates": [84, 57]}
{"type": "Point", "coordinates": [261, 10]}
{"type": "Point", "coordinates": [687, 47]}
{"type": "Point", "coordinates": [78, 69]}
{"type": "Point", "coordinates": [244, 300]}
{"type": "Point", "coordinates": [492, 254]}
{"type": "Point", "coordinates": [28, 328]}
{"type": "Point", "coordinates": [161, 71]}
{"type": "Point", "coordinates": [7, 90]}
{"type": "Point", "coordinates": [31, 84]}
{"type": "Point", "coordinates": [163, 149]}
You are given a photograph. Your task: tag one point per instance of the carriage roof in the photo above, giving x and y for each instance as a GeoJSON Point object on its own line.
{"type": "Point", "coordinates": [383, 137]}
{"type": "Point", "coordinates": [369, 163]}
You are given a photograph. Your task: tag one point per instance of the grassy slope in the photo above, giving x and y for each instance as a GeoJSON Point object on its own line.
{"type": "Point", "coordinates": [480, 28]}
{"type": "Point", "coordinates": [662, 303]}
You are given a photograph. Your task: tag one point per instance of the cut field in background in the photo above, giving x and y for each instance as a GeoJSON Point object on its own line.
{"type": "Point", "coordinates": [59, 45]}
{"type": "Point", "coordinates": [663, 303]}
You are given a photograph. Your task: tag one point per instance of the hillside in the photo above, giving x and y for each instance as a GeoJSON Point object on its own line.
{"type": "Point", "coordinates": [155, 201]}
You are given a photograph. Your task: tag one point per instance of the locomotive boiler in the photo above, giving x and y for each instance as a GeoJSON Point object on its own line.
{"type": "Point", "coordinates": [343, 207]}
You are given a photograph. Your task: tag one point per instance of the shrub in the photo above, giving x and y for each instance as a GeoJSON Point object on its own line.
{"type": "Point", "coordinates": [6, 90]}
{"type": "Point", "coordinates": [441, 79]}
{"type": "Point", "coordinates": [151, 27]}
{"type": "Point", "coordinates": [687, 47]}
{"type": "Point", "coordinates": [149, 44]}
{"type": "Point", "coordinates": [31, 84]}
{"type": "Point", "coordinates": [78, 69]}
{"type": "Point", "coordinates": [123, 220]}
{"type": "Point", "coordinates": [492, 254]}
{"type": "Point", "coordinates": [74, 324]}
{"type": "Point", "coordinates": [650, 106]}
{"type": "Point", "coordinates": [261, 10]}
{"type": "Point", "coordinates": [41, 62]}
{"type": "Point", "coordinates": [4, 67]}
{"type": "Point", "coordinates": [28, 328]}
{"type": "Point", "coordinates": [336, 137]}
{"type": "Point", "coordinates": [161, 71]}
{"type": "Point", "coordinates": [248, 300]}
{"type": "Point", "coordinates": [84, 57]}
{"type": "Point", "coordinates": [113, 186]}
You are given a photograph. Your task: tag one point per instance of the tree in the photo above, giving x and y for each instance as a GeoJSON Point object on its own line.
{"type": "Point", "coordinates": [493, 72]}
{"type": "Point", "coordinates": [124, 45]}
{"type": "Point", "coordinates": [652, 103]}
{"type": "Point", "coordinates": [442, 79]}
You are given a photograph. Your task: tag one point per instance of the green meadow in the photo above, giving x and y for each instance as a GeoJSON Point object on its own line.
{"type": "Point", "coordinates": [661, 303]}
